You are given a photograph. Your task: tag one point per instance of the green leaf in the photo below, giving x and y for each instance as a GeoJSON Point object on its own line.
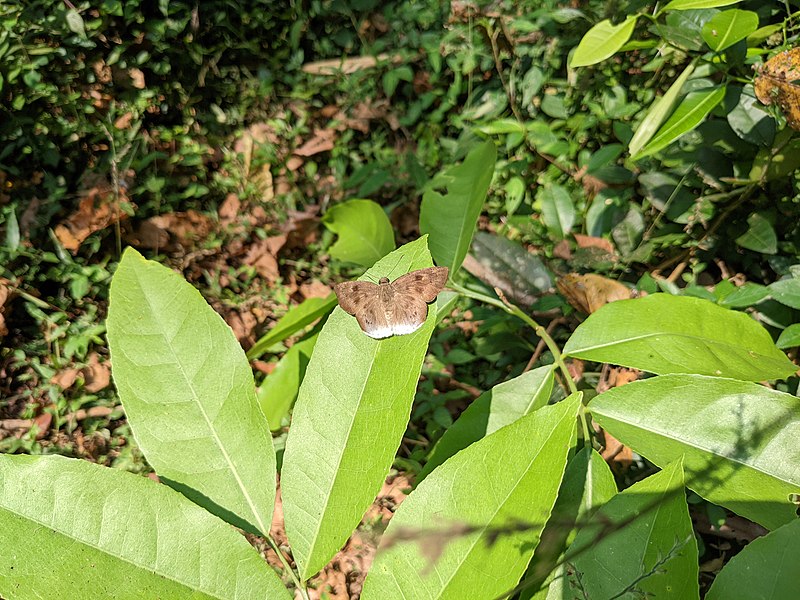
{"type": "Point", "coordinates": [658, 112]}
{"type": "Point", "coordinates": [658, 543]}
{"type": "Point", "coordinates": [602, 41]}
{"type": "Point", "coordinates": [507, 478]}
{"type": "Point", "coordinates": [789, 337]}
{"type": "Point", "coordinates": [75, 22]}
{"type": "Point", "coordinates": [450, 220]}
{"type": "Point", "coordinates": [766, 569]}
{"type": "Point", "coordinates": [693, 4]}
{"type": "Point", "coordinates": [558, 210]}
{"type": "Point", "coordinates": [786, 291]}
{"type": "Point", "coordinates": [750, 121]}
{"type": "Point", "coordinates": [500, 406]}
{"type": "Point", "coordinates": [188, 393]}
{"type": "Point", "coordinates": [588, 484]}
{"type": "Point", "coordinates": [297, 318]}
{"type": "Point", "coordinates": [520, 274]}
{"type": "Point", "coordinates": [745, 296]}
{"type": "Point", "coordinates": [778, 161]}
{"type": "Point", "coordinates": [12, 231]}
{"type": "Point", "coordinates": [349, 418]}
{"type": "Point", "coordinates": [688, 115]}
{"type": "Point", "coordinates": [738, 439]}
{"type": "Point", "coordinates": [279, 389]}
{"type": "Point", "coordinates": [365, 233]}
{"type": "Point", "coordinates": [125, 537]}
{"type": "Point", "coordinates": [673, 334]}
{"type": "Point", "coordinates": [760, 237]}
{"type": "Point", "coordinates": [726, 28]}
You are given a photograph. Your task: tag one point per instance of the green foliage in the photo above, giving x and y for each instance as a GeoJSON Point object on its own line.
{"type": "Point", "coordinates": [127, 537]}
{"type": "Point", "coordinates": [365, 233]}
{"type": "Point", "coordinates": [156, 325]}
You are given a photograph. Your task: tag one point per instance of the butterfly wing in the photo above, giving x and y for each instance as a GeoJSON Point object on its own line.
{"type": "Point", "coordinates": [362, 300]}
{"type": "Point", "coordinates": [412, 292]}
{"type": "Point", "coordinates": [424, 284]}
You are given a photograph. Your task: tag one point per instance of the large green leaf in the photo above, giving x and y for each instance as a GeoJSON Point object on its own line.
{"type": "Point", "coordinates": [739, 440]}
{"type": "Point", "coordinates": [786, 291]}
{"type": "Point", "coordinates": [767, 569]}
{"type": "Point", "coordinates": [588, 483]}
{"type": "Point", "coordinates": [689, 114]}
{"type": "Point", "coordinates": [644, 532]}
{"type": "Point", "coordinates": [760, 235]}
{"type": "Point", "coordinates": [726, 28]}
{"type": "Point", "coordinates": [675, 334]}
{"type": "Point", "coordinates": [365, 233]}
{"type": "Point", "coordinates": [503, 404]}
{"type": "Point", "coordinates": [558, 210]}
{"type": "Point", "coordinates": [450, 220]}
{"type": "Point", "coordinates": [602, 41]}
{"type": "Point", "coordinates": [297, 318]}
{"type": "Point", "coordinates": [509, 477]}
{"type": "Point", "coordinates": [348, 420]}
{"type": "Point", "coordinates": [189, 395]}
{"type": "Point", "coordinates": [72, 529]}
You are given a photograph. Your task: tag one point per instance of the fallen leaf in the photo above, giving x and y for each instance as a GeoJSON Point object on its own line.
{"type": "Point", "coordinates": [315, 289]}
{"type": "Point", "coordinates": [321, 141]}
{"type": "Point", "coordinates": [137, 78]}
{"type": "Point", "coordinates": [124, 122]}
{"type": "Point", "coordinates": [347, 65]}
{"type": "Point", "coordinates": [242, 323]}
{"type": "Point", "coordinates": [42, 423]}
{"type": "Point", "coordinates": [262, 256]}
{"type": "Point", "coordinates": [589, 241]}
{"type": "Point", "coordinates": [589, 292]}
{"type": "Point", "coordinates": [5, 297]}
{"type": "Point", "coordinates": [65, 378]}
{"type": "Point", "coordinates": [776, 83]}
{"type": "Point", "coordinates": [229, 209]}
{"type": "Point", "coordinates": [97, 375]}
{"type": "Point", "coordinates": [301, 228]}
{"type": "Point", "coordinates": [172, 231]}
{"type": "Point", "coordinates": [96, 211]}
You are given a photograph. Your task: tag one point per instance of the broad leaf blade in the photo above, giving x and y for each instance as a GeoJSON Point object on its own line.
{"type": "Point", "coordinates": [72, 529]}
{"type": "Point", "coordinates": [738, 439]}
{"type": "Point", "coordinates": [365, 233]}
{"type": "Point", "coordinates": [297, 318]}
{"type": "Point", "coordinates": [189, 395]}
{"type": "Point", "coordinates": [507, 478]}
{"type": "Point", "coordinates": [689, 114]}
{"type": "Point", "coordinates": [673, 334]}
{"type": "Point", "coordinates": [693, 4]}
{"type": "Point", "coordinates": [602, 41]}
{"type": "Point", "coordinates": [726, 28]}
{"type": "Point", "coordinates": [348, 420]}
{"type": "Point", "coordinates": [657, 545]}
{"type": "Point", "coordinates": [767, 568]}
{"type": "Point", "coordinates": [500, 406]}
{"type": "Point", "coordinates": [450, 220]}
{"type": "Point", "coordinates": [588, 484]}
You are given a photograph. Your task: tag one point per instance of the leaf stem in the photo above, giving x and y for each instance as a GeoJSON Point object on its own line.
{"type": "Point", "coordinates": [502, 302]}
{"type": "Point", "coordinates": [295, 579]}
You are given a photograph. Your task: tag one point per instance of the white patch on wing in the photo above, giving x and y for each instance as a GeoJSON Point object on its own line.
{"type": "Point", "coordinates": [379, 333]}
{"type": "Point", "coordinates": [405, 328]}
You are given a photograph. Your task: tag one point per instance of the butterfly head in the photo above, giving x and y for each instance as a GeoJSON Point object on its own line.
{"type": "Point", "coordinates": [383, 281]}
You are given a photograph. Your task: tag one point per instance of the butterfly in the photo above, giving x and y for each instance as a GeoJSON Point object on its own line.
{"type": "Point", "coordinates": [392, 308]}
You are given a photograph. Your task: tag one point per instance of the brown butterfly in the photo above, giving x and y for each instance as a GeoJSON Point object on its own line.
{"type": "Point", "coordinates": [395, 308]}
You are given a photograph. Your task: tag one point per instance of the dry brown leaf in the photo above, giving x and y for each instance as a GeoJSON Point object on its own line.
{"type": "Point", "coordinates": [124, 121]}
{"type": "Point", "coordinates": [185, 228]}
{"type": "Point", "coordinates": [97, 375]}
{"type": "Point", "coordinates": [302, 227]}
{"type": "Point", "coordinates": [137, 78]}
{"type": "Point", "coordinates": [321, 141]}
{"type": "Point", "coordinates": [65, 378]}
{"type": "Point", "coordinates": [775, 83]}
{"type": "Point", "coordinates": [229, 209]}
{"type": "Point", "coordinates": [315, 289]}
{"type": "Point", "coordinates": [5, 297]}
{"type": "Point", "coordinates": [262, 256]}
{"type": "Point", "coordinates": [294, 163]}
{"type": "Point", "coordinates": [589, 292]}
{"type": "Point", "coordinates": [346, 65]}
{"type": "Point", "coordinates": [588, 241]}
{"type": "Point", "coordinates": [243, 323]}
{"type": "Point", "coordinates": [96, 211]}
{"type": "Point", "coordinates": [42, 423]}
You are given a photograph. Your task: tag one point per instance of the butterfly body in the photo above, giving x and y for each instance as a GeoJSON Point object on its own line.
{"type": "Point", "coordinates": [392, 308]}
